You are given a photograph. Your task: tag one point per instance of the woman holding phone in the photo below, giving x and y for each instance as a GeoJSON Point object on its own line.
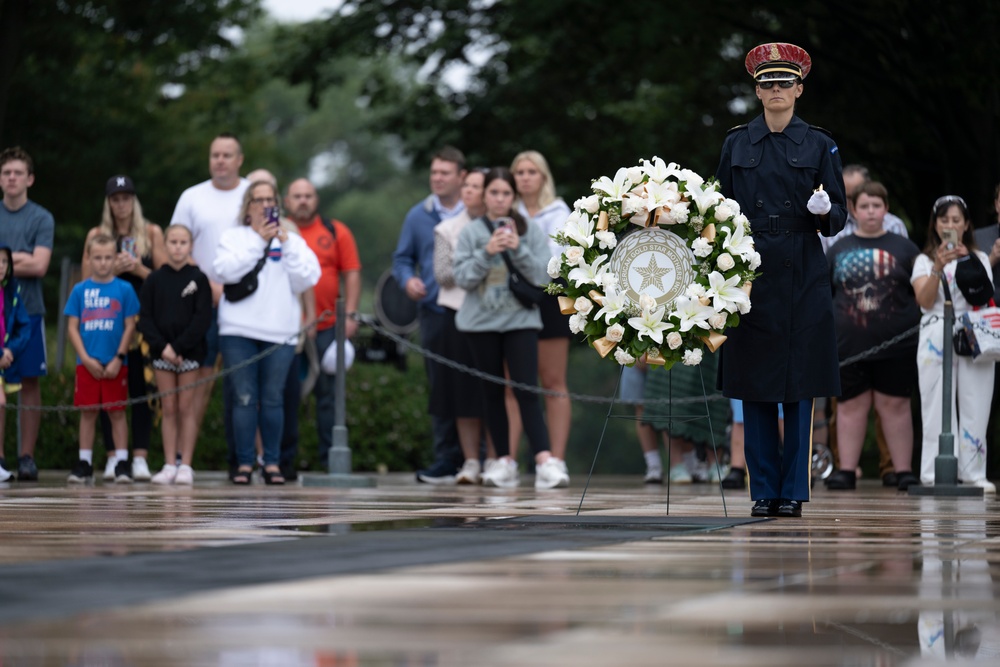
{"type": "Point", "coordinates": [950, 242]}
{"type": "Point", "coordinates": [500, 328]}
{"type": "Point", "coordinates": [285, 267]}
{"type": "Point", "coordinates": [140, 250]}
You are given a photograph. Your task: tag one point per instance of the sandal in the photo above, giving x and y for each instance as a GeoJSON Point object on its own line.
{"type": "Point", "coordinates": [242, 476]}
{"type": "Point", "coordinates": [272, 476]}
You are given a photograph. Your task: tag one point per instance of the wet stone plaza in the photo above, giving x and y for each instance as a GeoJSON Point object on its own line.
{"type": "Point", "coordinates": [405, 574]}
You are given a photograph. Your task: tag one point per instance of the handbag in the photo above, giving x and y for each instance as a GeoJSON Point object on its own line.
{"type": "Point", "coordinates": [247, 285]}
{"type": "Point", "coordinates": [960, 337]}
{"type": "Point", "coordinates": [527, 293]}
{"type": "Point", "coordinates": [981, 330]}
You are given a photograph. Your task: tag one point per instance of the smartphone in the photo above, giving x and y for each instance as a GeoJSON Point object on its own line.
{"type": "Point", "coordinates": [949, 237]}
{"type": "Point", "coordinates": [506, 223]}
{"type": "Point", "coordinates": [128, 245]}
{"type": "Point", "coordinates": [271, 213]}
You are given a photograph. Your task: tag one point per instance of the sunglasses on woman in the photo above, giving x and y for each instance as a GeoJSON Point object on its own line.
{"type": "Point", "coordinates": [767, 85]}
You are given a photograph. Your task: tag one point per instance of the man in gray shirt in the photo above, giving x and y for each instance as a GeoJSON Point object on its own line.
{"type": "Point", "coordinates": [28, 230]}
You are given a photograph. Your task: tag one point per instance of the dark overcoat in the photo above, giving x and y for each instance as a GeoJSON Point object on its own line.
{"type": "Point", "coordinates": [785, 348]}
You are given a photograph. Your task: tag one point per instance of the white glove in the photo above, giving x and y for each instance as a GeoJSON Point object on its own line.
{"type": "Point", "coordinates": [819, 203]}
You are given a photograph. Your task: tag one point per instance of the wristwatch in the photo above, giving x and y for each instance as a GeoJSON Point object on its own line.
{"type": "Point", "coordinates": [121, 356]}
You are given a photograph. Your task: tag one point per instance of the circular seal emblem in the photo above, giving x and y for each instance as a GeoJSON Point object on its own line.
{"type": "Point", "coordinates": [655, 262]}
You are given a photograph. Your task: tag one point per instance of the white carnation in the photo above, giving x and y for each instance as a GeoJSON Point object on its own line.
{"type": "Point", "coordinates": [678, 213]}
{"type": "Point", "coordinates": [695, 290]}
{"type": "Point", "coordinates": [723, 213]}
{"type": "Point", "coordinates": [692, 357]}
{"type": "Point", "coordinates": [555, 265]}
{"type": "Point", "coordinates": [577, 322]}
{"type": "Point", "coordinates": [615, 333]}
{"type": "Point", "coordinates": [753, 260]}
{"type": "Point", "coordinates": [725, 262]}
{"type": "Point", "coordinates": [674, 340]}
{"type": "Point", "coordinates": [574, 255]}
{"type": "Point", "coordinates": [623, 357]}
{"type": "Point", "coordinates": [743, 307]}
{"type": "Point", "coordinates": [717, 321]}
{"type": "Point", "coordinates": [609, 280]}
{"type": "Point", "coordinates": [583, 305]}
{"type": "Point", "coordinates": [701, 247]}
{"type": "Point", "coordinates": [606, 240]}
{"type": "Point", "coordinates": [740, 219]}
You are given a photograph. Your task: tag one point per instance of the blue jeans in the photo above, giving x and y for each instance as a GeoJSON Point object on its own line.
{"type": "Point", "coordinates": [257, 395]}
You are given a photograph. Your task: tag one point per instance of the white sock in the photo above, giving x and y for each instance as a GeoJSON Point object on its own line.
{"type": "Point", "coordinates": [653, 460]}
{"type": "Point", "coordinates": [121, 454]}
{"type": "Point", "coordinates": [87, 455]}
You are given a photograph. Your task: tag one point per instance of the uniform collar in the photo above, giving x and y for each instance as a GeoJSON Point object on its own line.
{"type": "Point", "coordinates": [796, 130]}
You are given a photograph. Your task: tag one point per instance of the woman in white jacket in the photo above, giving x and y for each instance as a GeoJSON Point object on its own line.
{"type": "Point", "coordinates": [270, 316]}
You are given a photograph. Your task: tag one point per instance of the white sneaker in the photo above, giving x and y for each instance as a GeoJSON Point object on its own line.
{"type": "Point", "coordinates": [470, 472]}
{"type": "Point", "coordinates": [679, 474]}
{"type": "Point", "coordinates": [109, 469]}
{"type": "Point", "coordinates": [653, 476]}
{"type": "Point", "coordinates": [140, 469]}
{"type": "Point", "coordinates": [986, 485]}
{"type": "Point", "coordinates": [502, 474]}
{"type": "Point", "coordinates": [185, 475]}
{"type": "Point", "coordinates": [552, 474]}
{"type": "Point", "coordinates": [166, 475]}
{"type": "Point", "coordinates": [5, 474]}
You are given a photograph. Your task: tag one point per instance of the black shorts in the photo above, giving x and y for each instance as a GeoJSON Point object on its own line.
{"type": "Point", "coordinates": [895, 376]}
{"type": "Point", "coordinates": [554, 323]}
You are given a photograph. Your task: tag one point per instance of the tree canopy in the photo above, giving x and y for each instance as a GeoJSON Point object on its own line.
{"type": "Point", "coordinates": [908, 89]}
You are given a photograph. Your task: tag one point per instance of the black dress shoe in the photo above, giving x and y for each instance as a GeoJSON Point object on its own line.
{"type": "Point", "coordinates": [765, 507]}
{"type": "Point", "coordinates": [790, 508]}
{"type": "Point", "coordinates": [891, 479]}
{"type": "Point", "coordinates": [736, 479]}
{"type": "Point", "coordinates": [906, 480]}
{"type": "Point", "coordinates": [842, 480]}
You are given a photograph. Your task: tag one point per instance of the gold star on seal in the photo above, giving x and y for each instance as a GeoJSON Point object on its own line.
{"type": "Point", "coordinates": [652, 275]}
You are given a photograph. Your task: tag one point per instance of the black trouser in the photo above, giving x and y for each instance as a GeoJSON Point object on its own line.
{"type": "Point", "coordinates": [520, 350]}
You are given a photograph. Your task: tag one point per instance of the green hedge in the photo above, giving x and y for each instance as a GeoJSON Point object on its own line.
{"type": "Point", "coordinates": [388, 426]}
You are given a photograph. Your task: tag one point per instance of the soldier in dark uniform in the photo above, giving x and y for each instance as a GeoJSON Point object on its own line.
{"type": "Point", "coordinates": [786, 176]}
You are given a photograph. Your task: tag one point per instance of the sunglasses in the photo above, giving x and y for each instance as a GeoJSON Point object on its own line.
{"type": "Point", "coordinates": [950, 199]}
{"type": "Point", "coordinates": [767, 85]}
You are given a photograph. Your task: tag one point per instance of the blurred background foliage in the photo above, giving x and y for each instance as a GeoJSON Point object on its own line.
{"type": "Point", "coordinates": [358, 102]}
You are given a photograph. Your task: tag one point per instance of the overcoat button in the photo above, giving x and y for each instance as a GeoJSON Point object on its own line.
{"type": "Point", "coordinates": [788, 204]}
{"type": "Point", "coordinates": [795, 159]}
{"type": "Point", "coordinates": [760, 204]}
{"type": "Point", "coordinates": [788, 262]}
{"type": "Point", "coordinates": [752, 160]}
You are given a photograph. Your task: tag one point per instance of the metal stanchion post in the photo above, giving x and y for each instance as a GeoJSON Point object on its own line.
{"type": "Point", "coordinates": [339, 454]}
{"type": "Point", "coordinates": [946, 464]}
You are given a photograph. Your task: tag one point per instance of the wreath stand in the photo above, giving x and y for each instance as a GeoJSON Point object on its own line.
{"type": "Point", "coordinates": [669, 421]}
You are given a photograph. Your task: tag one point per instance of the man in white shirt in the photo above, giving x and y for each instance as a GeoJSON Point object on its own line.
{"type": "Point", "coordinates": [208, 209]}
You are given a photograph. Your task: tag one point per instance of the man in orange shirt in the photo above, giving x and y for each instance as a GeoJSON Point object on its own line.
{"type": "Point", "coordinates": [337, 252]}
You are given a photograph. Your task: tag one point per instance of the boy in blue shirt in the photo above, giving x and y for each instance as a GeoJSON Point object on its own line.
{"type": "Point", "coordinates": [101, 312]}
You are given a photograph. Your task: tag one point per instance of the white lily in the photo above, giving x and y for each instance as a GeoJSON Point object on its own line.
{"type": "Point", "coordinates": [615, 189]}
{"type": "Point", "coordinates": [657, 170]}
{"type": "Point", "coordinates": [704, 198]}
{"type": "Point", "coordinates": [726, 294]}
{"type": "Point", "coordinates": [690, 313]}
{"type": "Point", "coordinates": [614, 304]}
{"type": "Point", "coordinates": [580, 228]}
{"type": "Point", "coordinates": [651, 324]}
{"type": "Point", "coordinates": [661, 194]}
{"type": "Point", "coordinates": [589, 274]}
{"type": "Point", "coordinates": [737, 242]}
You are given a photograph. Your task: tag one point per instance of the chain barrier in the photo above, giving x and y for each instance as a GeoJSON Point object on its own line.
{"type": "Point", "coordinates": [370, 322]}
{"type": "Point", "coordinates": [586, 398]}
{"type": "Point", "coordinates": [266, 352]}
